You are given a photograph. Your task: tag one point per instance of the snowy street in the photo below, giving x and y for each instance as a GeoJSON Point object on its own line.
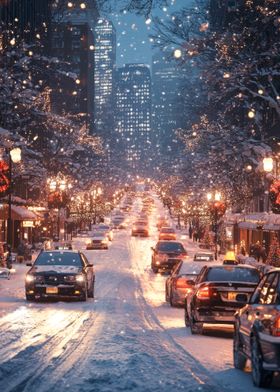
{"type": "Point", "coordinates": [127, 338]}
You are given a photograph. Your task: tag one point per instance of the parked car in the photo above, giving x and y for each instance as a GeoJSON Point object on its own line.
{"type": "Point", "coordinates": [166, 255]}
{"type": "Point", "coordinates": [99, 240]}
{"type": "Point", "coordinates": [167, 233]}
{"type": "Point", "coordinates": [181, 282]}
{"type": "Point", "coordinates": [60, 273]}
{"type": "Point", "coordinates": [140, 228]}
{"type": "Point", "coordinates": [257, 330]}
{"type": "Point", "coordinates": [204, 257]}
{"type": "Point", "coordinates": [83, 233]}
{"type": "Point", "coordinates": [214, 298]}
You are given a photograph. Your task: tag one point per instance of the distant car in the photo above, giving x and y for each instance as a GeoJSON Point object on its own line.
{"type": "Point", "coordinates": [162, 222]}
{"type": "Point", "coordinates": [60, 273]}
{"type": "Point", "coordinates": [166, 255]}
{"type": "Point", "coordinates": [99, 240]}
{"type": "Point", "coordinates": [214, 298]}
{"type": "Point", "coordinates": [140, 228]}
{"type": "Point", "coordinates": [83, 233]}
{"type": "Point", "coordinates": [106, 229]}
{"type": "Point", "coordinates": [257, 330]}
{"type": "Point", "coordinates": [167, 233]}
{"type": "Point", "coordinates": [181, 282]}
{"type": "Point", "coordinates": [203, 257]}
{"type": "Point", "coordinates": [62, 245]}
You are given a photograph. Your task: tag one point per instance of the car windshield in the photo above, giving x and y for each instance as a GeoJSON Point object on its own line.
{"type": "Point", "coordinates": [170, 247]}
{"type": "Point", "coordinates": [167, 230]}
{"type": "Point", "coordinates": [190, 269]}
{"type": "Point", "coordinates": [203, 257]}
{"type": "Point", "coordinates": [59, 258]}
{"type": "Point", "coordinates": [233, 274]}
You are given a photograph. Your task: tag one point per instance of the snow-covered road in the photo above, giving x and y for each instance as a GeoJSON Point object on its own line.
{"type": "Point", "coordinates": [127, 339]}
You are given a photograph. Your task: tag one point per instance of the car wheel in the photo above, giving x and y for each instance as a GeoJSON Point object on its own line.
{"type": "Point", "coordinates": [91, 291]}
{"type": "Point", "coordinates": [186, 317]}
{"type": "Point", "coordinates": [171, 300]}
{"type": "Point", "coordinates": [239, 359]}
{"type": "Point", "coordinates": [84, 297]}
{"type": "Point", "coordinates": [30, 297]}
{"type": "Point", "coordinates": [196, 326]}
{"type": "Point", "coordinates": [166, 294]}
{"type": "Point", "coordinates": [261, 377]}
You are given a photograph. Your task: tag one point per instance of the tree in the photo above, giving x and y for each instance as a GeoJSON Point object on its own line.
{"type": "Point", "coordinates": [274, 253]}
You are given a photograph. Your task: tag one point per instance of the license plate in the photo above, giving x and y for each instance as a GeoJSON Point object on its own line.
{"type": "Point", "coordinates": [232, 296]}
{"type": "Point", "coordinates": [52, 290]}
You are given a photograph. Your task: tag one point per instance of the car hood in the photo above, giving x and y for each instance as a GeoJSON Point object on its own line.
{"type": "Point", "coordinates": [57, 269]}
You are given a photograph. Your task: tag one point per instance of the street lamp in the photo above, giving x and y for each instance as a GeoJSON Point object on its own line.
{"type": "Point", "coordinates": [217, 209]}
{"type": "Point", "coordinates": [58, 197]}
{"type": "Point", "coordinates": [14, 157]}
{"type": "Point", "coordinates": [268, 164]}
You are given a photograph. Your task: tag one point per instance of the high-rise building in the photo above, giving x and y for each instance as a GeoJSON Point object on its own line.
{"type": "Point", "coordinates": [168, 113]}
{"type": "Point", "coordinates": [133, 114]}
{"type": "Point", "coordinates": [105, 62]}
{"type": "Point", "coordinates": [73, 42]}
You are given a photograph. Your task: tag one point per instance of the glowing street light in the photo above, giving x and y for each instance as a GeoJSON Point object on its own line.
{"type": "Point", "coordinates": [177, 53]}
{"type": "Point", "coordinates": [268, 164]}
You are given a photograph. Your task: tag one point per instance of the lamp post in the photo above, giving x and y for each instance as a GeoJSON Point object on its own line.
{"type": "Point", "coordinates": [217, 209]}
{"type": "Point", "coordinates": [57, 197]}
{"type": "Point", "coordinates": [14, 157]}
{"type": "Point", "coordinates": [268, 166]}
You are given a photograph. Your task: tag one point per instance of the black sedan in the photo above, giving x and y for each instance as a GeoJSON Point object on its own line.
{"type": "Point", "coordinates": [214, 298]}
{"type": "Point", "coordinates": [60, 273]}
{"type": "Point", "coordinates": [166, 255]}
{"type": "Point", "coordinates": [257, 331]}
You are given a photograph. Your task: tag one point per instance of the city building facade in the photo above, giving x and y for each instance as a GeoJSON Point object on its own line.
{"type": "Point", "coordinates": [105, 63]}
{"type": "Point", "coordinates": [73, 42]}
{"type": "Point", "coordinates": [133, 114]}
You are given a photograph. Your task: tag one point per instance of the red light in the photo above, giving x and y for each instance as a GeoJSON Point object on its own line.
{"type": "Point", "coordinates": [203, 293]}
{"type": "Point", "coordinates": [276, 327]}
{"type": "Point", "coordinates": [181, 283]}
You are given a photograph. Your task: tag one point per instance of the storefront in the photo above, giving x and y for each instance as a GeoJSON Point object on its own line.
{"type": "Point", "coordinates": [23, 222]}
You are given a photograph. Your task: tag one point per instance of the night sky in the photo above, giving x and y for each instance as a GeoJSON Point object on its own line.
{"type": "Point", "coordinates": [133, 42]}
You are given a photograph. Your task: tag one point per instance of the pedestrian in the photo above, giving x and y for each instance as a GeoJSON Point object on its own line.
{"type": "Point", "coordinates": [195, 236]}
{"type": "Point", "coordinates": [190, 232]}
{"type": "Point", "coordinates": [20, 252]}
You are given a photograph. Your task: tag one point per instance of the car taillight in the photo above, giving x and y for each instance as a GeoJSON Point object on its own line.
{"type": "Point", "coordinates": [180, 283]}
{"type": "Point", "coordinates": [203, 293]}
{"type": "Point", "coordinates": [276, 327]}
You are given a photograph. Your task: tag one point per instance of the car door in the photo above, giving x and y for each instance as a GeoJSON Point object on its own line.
{"type": "Point", "coordinates": [200, 279]}
{"type": "Point", "coordinates": [88, 270]}
{"type": "Point", "coordinates": [172, 277]}
{"type": "Point", "coordinates": [253, 312]}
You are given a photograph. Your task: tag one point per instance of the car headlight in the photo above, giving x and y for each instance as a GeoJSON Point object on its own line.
{"type": "Point", "coordinates": [70, 278]}
{"type": "Point", "coordinates": [29, 278]}
{"type": "Point", "coordinates": [80, 278]}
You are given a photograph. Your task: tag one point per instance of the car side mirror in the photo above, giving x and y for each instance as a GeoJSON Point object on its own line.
{"type": "Point", "coordinates": [29, 264]}
{"type": "Point", "coordinates": [241, 298]}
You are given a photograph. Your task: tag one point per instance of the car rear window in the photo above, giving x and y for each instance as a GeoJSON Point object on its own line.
{"type": "Point", "coordinates": [190, 269]}
{"type": "Point", "coordinates": [170, 247]}
{"type": "Point", "coordinates": [59, 258]}
{"type": "Point", "coordinates": [233, 274]}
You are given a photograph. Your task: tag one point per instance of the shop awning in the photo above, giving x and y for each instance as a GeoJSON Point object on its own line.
{"type": "Point", "coordinates": [19, 213]}
{"type": "Point", "coordinates": [271, 227]}
{"type": "Point", "coordinates": [247, 225]}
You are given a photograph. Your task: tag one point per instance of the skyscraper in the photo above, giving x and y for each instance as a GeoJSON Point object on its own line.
{"type": "Point", "coordinates": [168, 113]}
{"type": "Point", "coordinates": [105, 62]}
{"type": "Point", "coordinates": [133, 114]}
{"type": "Point", "coordinates": [73, 42]}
